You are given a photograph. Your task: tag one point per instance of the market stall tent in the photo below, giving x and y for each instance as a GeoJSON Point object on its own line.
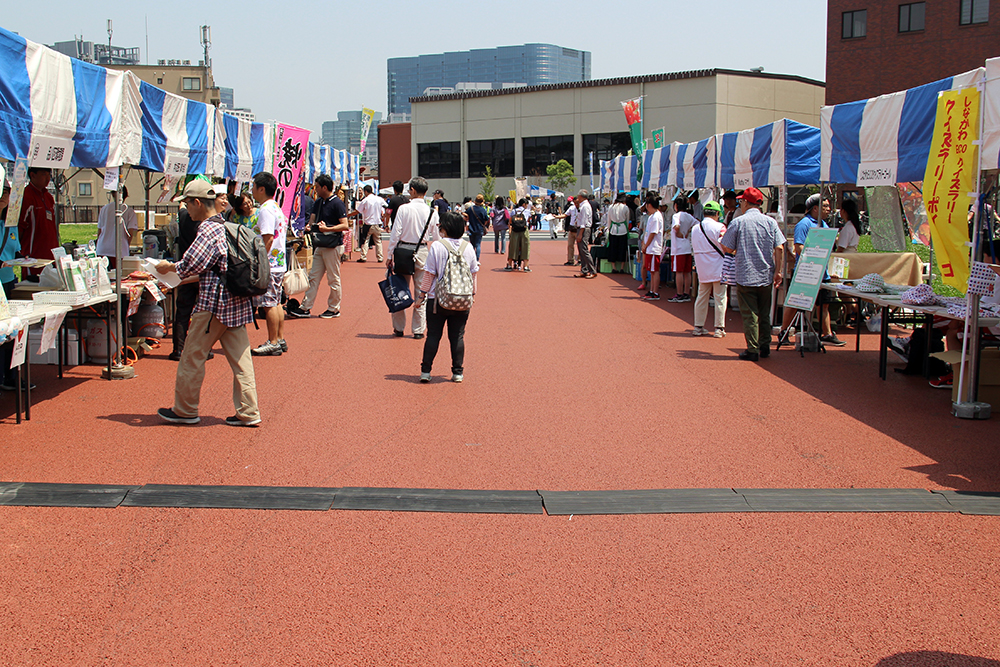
{"type": "Point", "coordinates": [884, 140]}
{"type": "Point", "coordinates": [693, 165]}
{"type": "Point", "coordinates": [655, 167]}
{"type": "Point", "coordinates": [47, 98]}
{"type": "Point", "coordinates": [784, 152]}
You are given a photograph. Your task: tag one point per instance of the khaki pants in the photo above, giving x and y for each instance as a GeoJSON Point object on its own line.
{"type": "Point", "coordinates": [325, 260]}
{"type": "Point", "coordinates": [374, 233]}
{"type": "Point", "coordinates": [571, 245]}
{"type": "Point", "coordinates": [191, 369]}
{"type": "Point", "coordinates": [706, 290]}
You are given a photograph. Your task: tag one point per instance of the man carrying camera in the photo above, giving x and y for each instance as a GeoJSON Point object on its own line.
{"type": "Point", "coordinates": [327, 224]}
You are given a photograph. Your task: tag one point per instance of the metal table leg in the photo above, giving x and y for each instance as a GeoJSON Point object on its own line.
{"type": "Point", "coordinates": [883, 352]}
{"type": "Point", "coordinates": [18, 407]}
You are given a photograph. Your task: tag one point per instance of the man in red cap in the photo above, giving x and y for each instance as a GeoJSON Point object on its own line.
{"type": "Point", "coordinates": [760, 250]}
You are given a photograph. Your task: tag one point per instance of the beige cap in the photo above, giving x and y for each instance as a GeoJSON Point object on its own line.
{"type": "Point", "coordinates": [197, 189]}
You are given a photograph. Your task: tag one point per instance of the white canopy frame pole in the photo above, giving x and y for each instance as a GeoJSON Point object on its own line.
{"type": "Point", "coordinates": [970, 365]}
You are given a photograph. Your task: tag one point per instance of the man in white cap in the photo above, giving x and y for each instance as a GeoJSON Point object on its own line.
{"type": "Point", "coordinates": [218, 316]}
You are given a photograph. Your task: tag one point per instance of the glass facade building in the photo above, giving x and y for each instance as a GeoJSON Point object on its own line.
{"type": "Point", "coordinates": [531, 64]}
{"type": "Point", "coordinates": [345, 133]}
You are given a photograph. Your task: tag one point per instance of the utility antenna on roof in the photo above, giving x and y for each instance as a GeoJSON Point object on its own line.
{"type": "Point", "coordinates": [111, 31]}
{"type": "Point", "coordinates": [206, 42]}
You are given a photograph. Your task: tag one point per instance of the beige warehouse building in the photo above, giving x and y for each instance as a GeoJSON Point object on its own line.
{"type": "Point", "coordinates": [520, 131]}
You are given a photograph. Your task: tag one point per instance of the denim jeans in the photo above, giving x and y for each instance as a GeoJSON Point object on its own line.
{"type": "Point", "coordinates": [500, 242]}
{"type": "Point", "coordinates": [477, 241]}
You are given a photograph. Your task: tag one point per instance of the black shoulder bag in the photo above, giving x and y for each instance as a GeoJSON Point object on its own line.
{"type": "Point", "coordinates": [325, 239]}
{"type": "Point", "coordinates": [404, 254]}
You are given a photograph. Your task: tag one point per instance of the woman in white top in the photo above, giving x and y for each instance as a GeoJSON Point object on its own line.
{"type": "Point", "coordinates": [850, 233]}
{"type": "Point", "coordinates": [452, 227]}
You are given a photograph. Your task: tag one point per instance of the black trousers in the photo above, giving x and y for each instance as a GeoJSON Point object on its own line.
{"type": "Point", "coordinates": [436, 318]}
{"type": "Point", "coordinates": [185, 297]}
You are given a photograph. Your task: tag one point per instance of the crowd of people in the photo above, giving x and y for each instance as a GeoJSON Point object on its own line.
{"type": "Point", "coordinates": [709, 251]}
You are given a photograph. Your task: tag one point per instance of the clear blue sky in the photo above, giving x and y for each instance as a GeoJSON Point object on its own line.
{"type": "Point", "coordinates": [301, 62]}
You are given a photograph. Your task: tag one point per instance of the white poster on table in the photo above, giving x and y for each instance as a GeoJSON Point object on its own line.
{"type": "Point", "coordinates": [49, 329]}
{"type": "Point", "coordinates": [20, 345]}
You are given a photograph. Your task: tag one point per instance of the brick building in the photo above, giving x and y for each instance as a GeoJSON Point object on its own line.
{"type": "Point", "coordinates": [875, 47]}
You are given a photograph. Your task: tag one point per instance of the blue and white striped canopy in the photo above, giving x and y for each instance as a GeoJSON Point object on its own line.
{"type": "Point", "coordinates": [45, 95]}
{"type": "Point", "coordinates": [655, 167]}
{"type": "Point", "coordinates": [620, 174]}
{"type": "Point", "coordinates": [692, 165]}
{"type": "Point", "coordinates": [176, 131]}
{"type": "Point", "coordinates": [784, 152]}
{"type": "Point", "coordinates": [884, 140]}
{"type": "Point", "coordinates": [341, 166]}
{"type": "Point", "coordinates": [249, 147]}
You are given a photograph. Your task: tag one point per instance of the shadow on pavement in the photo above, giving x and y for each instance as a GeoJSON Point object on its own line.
{"type": "Point", "coordinates": [935, 659]}
{"type": "Point", "coordinates": [902, 407]}
{"type": "Point", "coordinates": [151, 419]}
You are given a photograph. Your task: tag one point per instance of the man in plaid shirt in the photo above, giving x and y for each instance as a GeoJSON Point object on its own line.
{"type": "Point", "coordinates": [218, 316]}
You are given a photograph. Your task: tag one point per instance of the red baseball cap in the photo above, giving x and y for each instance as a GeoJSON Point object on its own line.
{"type": "Point", "coordinates": [752, 195]}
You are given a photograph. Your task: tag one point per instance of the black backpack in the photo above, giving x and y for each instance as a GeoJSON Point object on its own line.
{"type": "Point", "coordinates": [595, 215]}
{"type": "Point", "coordinates": [248, 273]}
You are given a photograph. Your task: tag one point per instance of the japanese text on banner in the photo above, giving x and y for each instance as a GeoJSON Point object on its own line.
{"type": "Point", "coordinates": [290, 151]}
{"type": "Point", "coordinates": [952, 170]}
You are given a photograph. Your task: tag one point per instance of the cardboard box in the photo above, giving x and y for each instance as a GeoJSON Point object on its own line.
{"type": "Point", "coordinates": [989, 375]}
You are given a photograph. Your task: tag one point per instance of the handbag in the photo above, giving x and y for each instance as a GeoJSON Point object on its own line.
{"type": "Point", "coordinates": [325, 239]}
{"type": "Point", "coordinates": [404, 254]}
{"type": "Point", "coordinates": [395, 292]}
{"type": "Point", "coordinates": [728, 276]}
{"type": "Point", "coordinates": [295, 280]}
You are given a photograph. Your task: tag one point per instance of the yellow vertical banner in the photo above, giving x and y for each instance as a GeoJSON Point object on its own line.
{"type": "Point", "coordinates": [951, 176]}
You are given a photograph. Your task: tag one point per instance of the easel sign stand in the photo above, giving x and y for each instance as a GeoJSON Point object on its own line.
{"type": "Point", "coordinates": [805, 286]}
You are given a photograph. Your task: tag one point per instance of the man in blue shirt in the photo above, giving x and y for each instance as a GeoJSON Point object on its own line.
{"type": "Point", "coordinates": [815, 216]}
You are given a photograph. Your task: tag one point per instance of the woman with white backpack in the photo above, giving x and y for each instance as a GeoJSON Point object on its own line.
{"type": "Point", "coordinates": [448, 286]}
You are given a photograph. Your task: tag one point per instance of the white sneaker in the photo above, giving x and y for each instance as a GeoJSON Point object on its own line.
{"type": "Point", "coordinates": [425, 377]}
{"type": "Point", "coordinates": [457, 378]}
{"type": "Point", "coordinates": [699, 331]}
{"type": "Point", "coordinates": [720, 333]}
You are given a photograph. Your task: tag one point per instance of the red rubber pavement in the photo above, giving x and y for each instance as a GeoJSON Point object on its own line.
{"type": "Point", "coordinates": [570, 384]}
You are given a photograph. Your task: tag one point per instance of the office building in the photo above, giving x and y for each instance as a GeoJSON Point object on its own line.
{"type": "Point", "coordinates": [345, 134]}
{"type": "Point", "coordinates": [874, 48]}
{"type": "Point", "coordinates": [529, 64]}
{"type": "Point", "coordinates": [226, 98]}
{"type": "Point", "coordinates": [520, 132]}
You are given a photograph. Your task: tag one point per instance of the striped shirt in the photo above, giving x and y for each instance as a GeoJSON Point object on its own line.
{"type": "Point", "coordinates": [206, 258]}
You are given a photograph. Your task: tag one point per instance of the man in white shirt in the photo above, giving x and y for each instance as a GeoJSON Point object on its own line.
{"type": "Point", "coordinates": [371, 208]}
{"type": "Point", "coordinates": [584, 222]}
{"type": "Point", "coordinates": [416, 222]}
{"type": "Point", "coordinates": [708, 258]}
{"type": "Point", "coordinates": [106, 221]}
{"type": "Point", "coordinates": [680, 250]}
{"type": "Point", "coordinates": [570, 217]}
{"type": "Point", "coordinates": [272, 225]}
